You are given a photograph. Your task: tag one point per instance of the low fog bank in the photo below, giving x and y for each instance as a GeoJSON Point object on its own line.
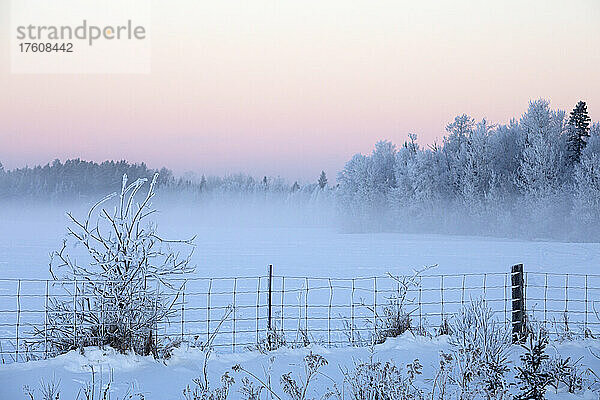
{"type": "Point", "coordinates": [537, 177]}
{"type": "Point", "coordinates": [233, 234]}
{"type": "Point", "coordinates": [549, 220]}
{"type": "Point", "coordinates": [240, 236]}
{"type": "Point", "coordinates": [184, 214]}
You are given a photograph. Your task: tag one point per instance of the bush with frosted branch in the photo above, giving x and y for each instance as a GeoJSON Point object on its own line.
{"type": "Point", "coordinates": [125, 282]}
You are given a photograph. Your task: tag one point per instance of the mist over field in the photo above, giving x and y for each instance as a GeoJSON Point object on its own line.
{"type": "Point", "coordinates": [488, 196]}
{"type": "Point", "coordinates": [239, 237]}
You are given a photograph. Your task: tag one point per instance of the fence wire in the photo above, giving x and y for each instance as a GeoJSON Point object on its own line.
{"type": "Point", "coordinates": [332, 312]}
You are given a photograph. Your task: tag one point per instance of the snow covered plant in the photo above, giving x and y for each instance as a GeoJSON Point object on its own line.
{"type": "Point", "coordinates": [479, 350]}
{"type": "Point", "coordinates": [383, 381]}
{"type": "Point", "coordinates": [124, 282]}
{"type": "Point", "coordinates": [49, 390]}
{"type": "Point", "coordinates": [295, 388]}
{"type": "Point", "coordinates": [202, 391]}
{"type": "Point", "coordinates": [395, 317]}
{"type": "Point", "coordinates": [92, 389]}
{"type": "Point", "coordinates": [202, 388]}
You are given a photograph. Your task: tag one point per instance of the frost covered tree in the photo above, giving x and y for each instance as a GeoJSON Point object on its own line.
{"type": "Point", "coordinates": [354, 192]}
{"type": "Point", "coordinates": [405, 196]}
{"type": "Point", "coordinates": [366, 182]}
{"type": "Point", "coordinates": [475, 177]}
{"type": "Point", "coordinates": [125, 280]}
{"type": "Point", "coordinates": [455, 146]}
{"type": "Point", "coordinates": [322, 180]}
{"type": "Point", "coordinates": [493, 178]}
{"type": "Point", "coordinates": [421, 182]}
{"type": "Point", "coordinates": [587, 181]}
{"type": "Point", "coordinates": [542, 166]}
{"type": "Point", "coordinates": [578, 131]}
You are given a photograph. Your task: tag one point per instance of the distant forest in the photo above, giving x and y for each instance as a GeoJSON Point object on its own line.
{"type": "Point", "coordinates": [77, 178]}
{"type": "Point", "coordinates": [536, 176]}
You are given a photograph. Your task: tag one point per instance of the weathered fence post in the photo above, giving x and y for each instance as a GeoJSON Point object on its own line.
{"type": "Point", "coordinates": [282, 316]}
{"type": "Point", "coordinates": [208, 293]}
{"type": "Point", "coordinates": [586, 331]}
{"type": "Point", "coordinates": [374, 309]}
{"type": "Point", "coordinates": [234, 305]}
{"type": "Point", "coordinates": [183, 312]}
{"type": "Point", "coordinates": [46, 322]}
{"type": "Point", "coordinates": [352, 313]}
{"type": "Point", "coordinates": [258, 310]}
{"type": "Point", "coordinates": [518, 304]}
{"type": "Point", "coordinates": [329, 313]}
{"type": "Point", "coordinates": [18, 320]}
{"type": "Point", "coordinates": [269, 308]}
{"type": "Point", "coordinates": [75, 315]}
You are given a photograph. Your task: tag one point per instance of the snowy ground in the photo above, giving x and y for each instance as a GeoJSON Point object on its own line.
{"type": "Point", "coordinates": [165, 381]}
{"type": "Point", "coordinates": [242, 242]}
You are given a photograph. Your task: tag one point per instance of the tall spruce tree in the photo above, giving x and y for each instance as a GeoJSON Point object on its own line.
{"type": "Point", "coordinates": [578, 131]}
{"type": "Point", "coordinates": [322, 180]}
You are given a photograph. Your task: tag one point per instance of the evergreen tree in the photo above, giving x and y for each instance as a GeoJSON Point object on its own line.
{"type": "Point", "coordinates": [295, 187]}
{"type": "Point", "coordinates": [578, 132]}
{"type": "Point", "coordinates": [322, 180]}
{"type": "Point", "coordinates": [202, 182]}
{"type": "Point", "coordinates": [532, 374]}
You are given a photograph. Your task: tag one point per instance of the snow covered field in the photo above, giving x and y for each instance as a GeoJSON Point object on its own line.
{"type": "Point", "coordinates": [242, 241]}
{"type": "Point", "coordinates": [237, 241]}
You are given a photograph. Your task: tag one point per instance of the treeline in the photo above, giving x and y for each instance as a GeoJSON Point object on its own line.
{"type": "Point", "coordinates": [538, 175]}
{"type": "Point", "coordinates": [535, 176]}
{"type": "Point", "coordinates": [76, 178]}
{"type": "Point", "coordinates": [72, 179]}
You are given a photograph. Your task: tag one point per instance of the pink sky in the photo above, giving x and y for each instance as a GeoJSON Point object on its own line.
{"type": "Point", "coordinates": [290, 88]}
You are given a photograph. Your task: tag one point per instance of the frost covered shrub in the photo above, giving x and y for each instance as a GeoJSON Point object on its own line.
{"type": "Point", "coordinates": [274, 339]}
{"type": "Point", "coordinates": [122, 279]}
{"type": "Point", "coordinates": [383, 381]}
{"type": "Point", "coordinates": [538, 370]}
{"type": "Point", "coordinates": [393, 322]}
{"type": "Point", "coordinates": [568, 373]}
{"type": "Point", "coordinates": [395, 317]}
{"type": "Point", "coordinates": [479, 351]}
{"type": "Point", "coordinates": [439, 388]}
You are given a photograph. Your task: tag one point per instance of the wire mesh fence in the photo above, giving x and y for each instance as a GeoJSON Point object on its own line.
{"type": "Point", "coordinates": [271, 310]}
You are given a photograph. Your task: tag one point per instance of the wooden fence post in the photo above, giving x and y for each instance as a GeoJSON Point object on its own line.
{"type": "Point", "coordinates": [518, 304]}
{"type": "Point", "coordinates": [269, 308]}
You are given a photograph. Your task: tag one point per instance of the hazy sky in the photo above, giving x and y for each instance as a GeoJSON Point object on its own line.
{"type": "Point", "coordinates": [292, 87]}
